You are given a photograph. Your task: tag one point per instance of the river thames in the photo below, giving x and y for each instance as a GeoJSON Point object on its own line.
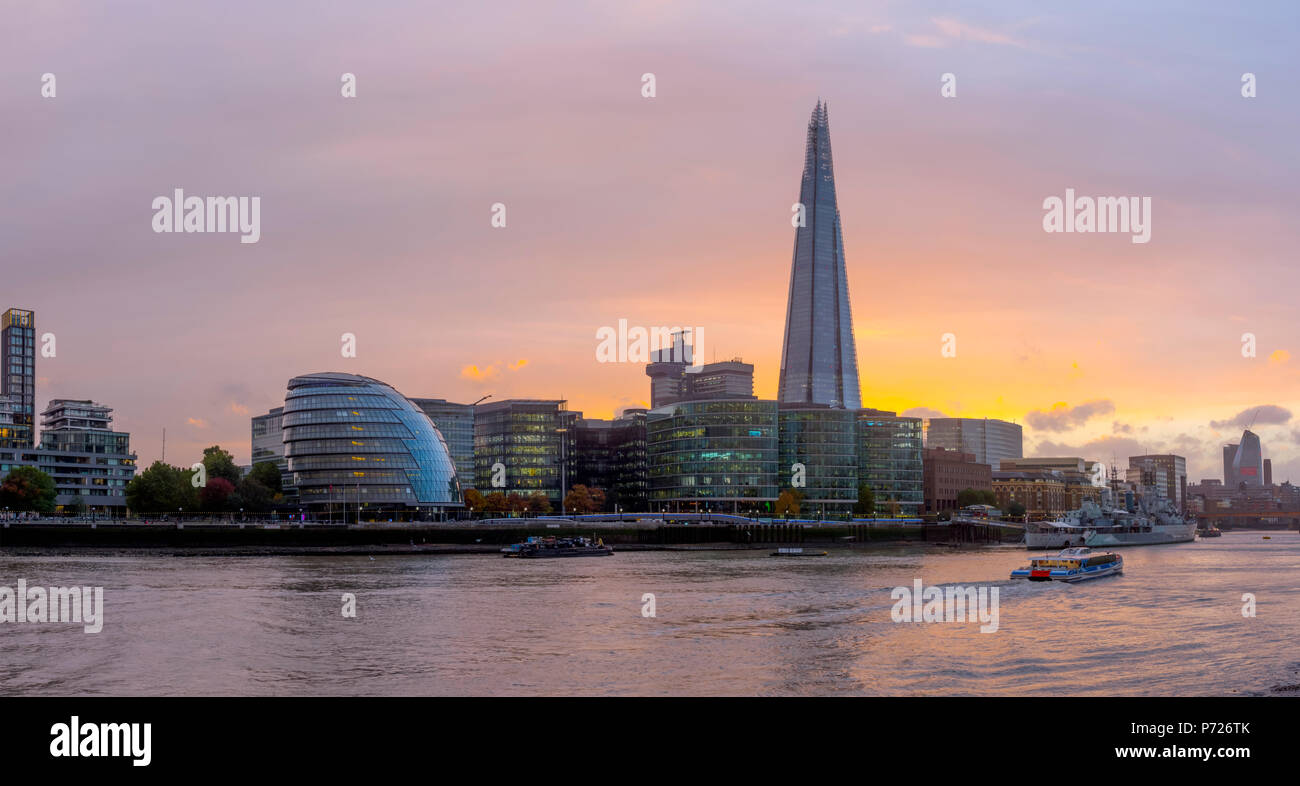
{"type": "Point", "coordinates": [727, 622]}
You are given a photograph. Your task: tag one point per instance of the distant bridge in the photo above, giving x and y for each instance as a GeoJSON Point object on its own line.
{"type": "Point", "coordinates": [1289, 516]}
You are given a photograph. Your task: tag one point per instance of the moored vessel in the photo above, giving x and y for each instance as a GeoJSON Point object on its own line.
{"type": "Point", "coordinates": [1148, 521]}
{"type": "Point", "coordinates": [540, 548]}
{"type": "Point", "coordinates": [796, 551]}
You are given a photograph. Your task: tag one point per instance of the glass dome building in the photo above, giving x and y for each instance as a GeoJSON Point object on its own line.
{"type": "Point", "coordinates": [359, 450]}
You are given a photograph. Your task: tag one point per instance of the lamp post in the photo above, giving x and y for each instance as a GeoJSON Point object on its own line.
{"type": "Point", "coordinates": [563, 468]}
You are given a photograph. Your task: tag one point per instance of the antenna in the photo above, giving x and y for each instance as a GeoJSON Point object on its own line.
{"type": "Point", "coordinates": [1252, 418]}
{"type": "Point", "coordinates": [164, 447]}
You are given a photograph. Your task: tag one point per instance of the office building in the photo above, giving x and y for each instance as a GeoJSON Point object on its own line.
{"type": "Point", "coordinates": [819, 362]}
{"type": "Point", "coordinates": [989, 439]}
{"type": "Point", "coordinates": [889, 461]}
{"type": "Point", "coordinates": [360, 451]}
{"type": "Point", "coordinates": [1166, 474]}
{"type": "Point", "coordinates": [610, 455]}
{"type": "Point", "coordinates": [818, 457]}
{"type": "Point", "coordinates": [531, 439]}
{"type": "Point", "coordinates": [713, 455]}
{"type": "Point", "coordinates": [1245, 463]}
{"type": "Point", "coordinates": [456, 424]}
{"type": "Point", "coordinates": [267, 441]}
{"type": "Point", "coordinates": [946, 473]}
{"type": "Point", "coordinates": [673, 378]}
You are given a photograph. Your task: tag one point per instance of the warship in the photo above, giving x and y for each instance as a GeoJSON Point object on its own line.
{"type": "Point", "coordinates": [1143, 521]}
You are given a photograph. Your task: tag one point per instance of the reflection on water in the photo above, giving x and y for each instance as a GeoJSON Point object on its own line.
{"type": "Point", "coordinates": [727, 623]}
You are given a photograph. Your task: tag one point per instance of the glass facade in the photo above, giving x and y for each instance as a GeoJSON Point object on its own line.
{"type": "Point", "coordinates": [611, 455]}
{"type": "Point", "coordinates": [268, 445]}
{"type": "Point", "coordinates": [18, 376]}
{"type": "Point", "coordinates": [990, 440]}
{"type": "Point", "coordinates": [718, 455]}
{"type": "Point", "coordinates": [526, 436]}
{"type": "Point", "coordinates": [823, 440]}
{"type": "Point", "coordinates": [889, 461]}
{"type": "Point", "coordinates": [355, 442]}
{"type": "Point", "coordinates": [456, 424]}
{"type": "Point", "coordinates": [819, 361]}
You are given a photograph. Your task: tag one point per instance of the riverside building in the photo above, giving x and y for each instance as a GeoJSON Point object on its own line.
{"type": "Point", "coordinates": [358, 450]}
{"type": "Point", "coordinates": [89, 462]}
{"type": "Point", "coordinates": [818, 456]}
{"type": "Point", "coordinates": [717, 455]}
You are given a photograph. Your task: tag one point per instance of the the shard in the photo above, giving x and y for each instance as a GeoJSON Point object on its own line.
{"type": "Point", "coordinates": [819, 362]}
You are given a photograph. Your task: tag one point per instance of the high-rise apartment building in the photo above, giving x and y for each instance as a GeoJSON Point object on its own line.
{"type": "Point", "coordinates": [18, 356]}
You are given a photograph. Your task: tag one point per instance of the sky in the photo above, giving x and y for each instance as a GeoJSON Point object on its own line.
{"type": "Point", "coordinates": [671, 210]}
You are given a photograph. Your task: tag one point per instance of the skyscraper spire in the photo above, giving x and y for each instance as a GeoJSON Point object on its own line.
{"type": "Point", "coordinates": [819, 361]}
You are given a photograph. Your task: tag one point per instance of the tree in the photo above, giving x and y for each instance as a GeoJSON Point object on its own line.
{"type": "Point", "coordinates": [970, 496]}
{"type": "Point", "coordinates": [268, 474]}
{"type": "Point", "coordinates": [1015, 510]}
{"type": "Point", "coordinates": [251, 496]}
{"type": "Point", "coordinates": [579, 500]}
{"type": "Point", "coordinates": [162, 488]}
{"type": "Point", "coordinates": [77, 507]}
{"type": "Point", "coordinates": [537, 504]}
{"type": "Point", "coordinates": [598, 500]}
{"type": "Point", "coordinates": [516, 502]}
{"type": "Point", "coordinates": [866, 504]}
{"type": "Point", "coordinates": [27, 488]}
{"type": "Point", "coordinates": [474, 500]}
{"type": "Point", "coordinates": [495, 503]}
{"type": "Point", "coordinates": [787, 504]}
{"type": "Point", "coordinates": [220, 464]}
{"type": "Point", "coordinates": [212, 497]}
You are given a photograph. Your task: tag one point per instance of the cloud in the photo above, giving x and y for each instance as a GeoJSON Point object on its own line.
{"type": "Point", "coordinates": [952, 30]}
{"type": "Point", "coordinates": [238, 409]}
{"type": "Point", "coordinates": [1105, 449]}
{"type": "Point", "coordinates": [924, 412]}
{"type": "Point", "coordinates": [197, 422]}
{"type": "Point", "coordinates": [1061, 417]}
{"type": "Point", "coordinates": [479, 374]}
{"type": "Point", "coordinates": [925, 41]}
{"type": "Point", "coordinates": [1121, 428]}
{"type": "Point", "coordinates": [1279, 357]}
{"type": "Point", "coordinates": [1264, 415]}
{"type": "Point", "coordinates": [491, 371]}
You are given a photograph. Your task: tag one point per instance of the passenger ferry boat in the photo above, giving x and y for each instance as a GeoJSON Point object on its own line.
{"type": "Point", "coordinates": [535, 547]}
{"type": "Point", "coordinates": [1148, 521]}
{"type": "Point", "coordinates": [1076, 564]}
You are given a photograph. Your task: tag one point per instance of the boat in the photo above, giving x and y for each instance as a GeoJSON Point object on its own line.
{"type": "Point", "coordinates": [796, 551]}
{"type": "Point", "coordinates": [1070, 565]}
{"type": "Point", "coordinates": [1144, 521]}
{"type": "Point", "coordinates": [538, 548]}
{"type": "Point", "coordinates": [1210, 532]}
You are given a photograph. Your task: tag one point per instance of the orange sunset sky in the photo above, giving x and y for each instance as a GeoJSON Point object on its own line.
{"type": "Point", "coordinates": [664, 211]}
